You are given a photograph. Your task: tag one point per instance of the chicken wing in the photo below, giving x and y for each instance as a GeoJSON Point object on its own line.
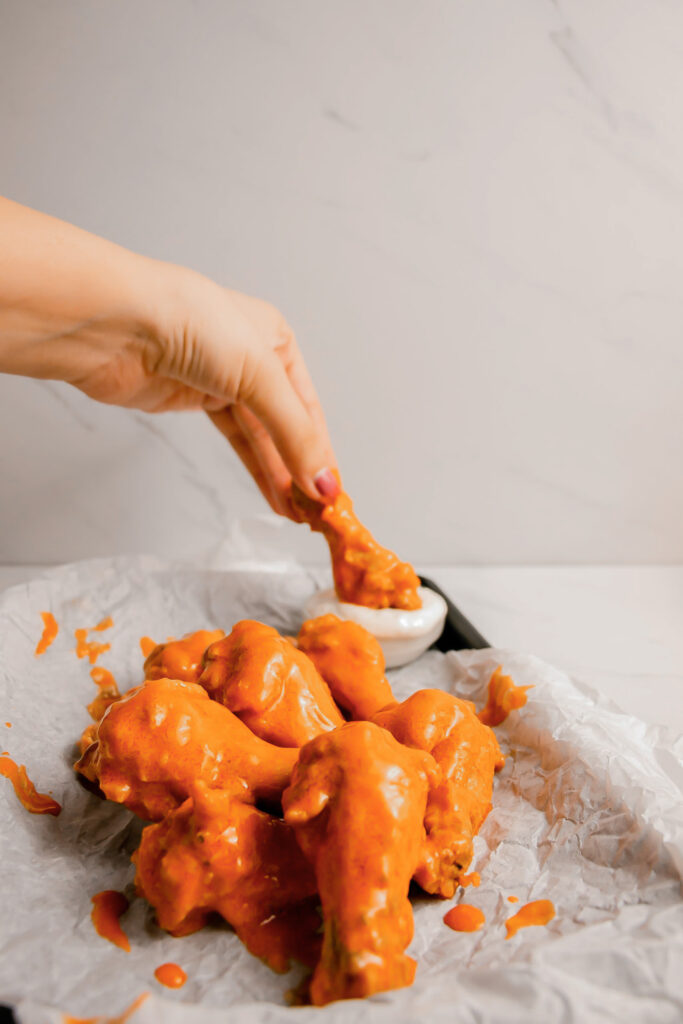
{"type": "Point", "coordinates": [351, 662]}
{"type": "Point", "coordinates": [357, 802]}
{"type": "Point", "coordinates": [160, 737]}
{"type": "Point", "coordinates": [216, 853]}
{"type": "Point", "coordinates": [181, 659]}
{"type": "Point", "coordinates": [364, 572]}
{"type": "Point", "coordinates": [271, 686]}
{"type": "Point", "coordinates": [467, 753]}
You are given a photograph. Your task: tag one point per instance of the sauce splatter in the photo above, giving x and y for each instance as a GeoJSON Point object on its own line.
{"type": "Point", "coordinates": [50, 630]}
{"type": "Point", "coordinates": [108, 692]}
{"type": "Point", "coordinates": [36, 803]}
{"type": "Point", "coordinates": [90, 649]}
{"type": "Point", "coordinates": [147, 645]}
{"type": "Point", "coordinates": [107, 908]}
{"type": "Point", "coordinates": [464, 918]}
{"type": "Point", "coordinates": [170, 975]}
{"type": "Point", "coordinates": [103, 624]}
{"type": "Point", "coordinates": [536, 913]}
{"type": "Point", "coordinates": [120, 1019]}
{"type": "Point", "coordinates": [8, 724]}
{"type": "Point", "coordinates": [473, 879]}
{"type": "Point", "coordinates": [503, 697]}
{"type": "Point", "coordinates": [513, 899]}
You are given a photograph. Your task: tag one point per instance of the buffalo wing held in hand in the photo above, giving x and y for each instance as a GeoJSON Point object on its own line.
{"type": "Point", "coordinates": [159, 738]}
{"type": "Point", "coordinates": [351, 662]}
{"type": "Point", "coordinates": [216, 853]}
{"type": "Point", "coordinates": [270, 685]}
{"type": "Point", "coordinates": [181, 659]}
{"type": "Point", "coordinates": [364, 572]}
{"type": "Point", "coordinates": [467, 753]}
{"type": "Point", "coordinates": [357, 803]}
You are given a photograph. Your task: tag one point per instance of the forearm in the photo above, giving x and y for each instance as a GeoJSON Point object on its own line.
{"type": "Point", "coordinates": [67, 296]}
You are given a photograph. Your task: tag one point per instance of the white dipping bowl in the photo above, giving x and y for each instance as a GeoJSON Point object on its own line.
{"type": "Point", "coordinates": [403, 635]}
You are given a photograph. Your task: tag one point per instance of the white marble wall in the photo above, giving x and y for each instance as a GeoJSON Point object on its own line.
{"type": "Point", "coordinates": [471, 212]}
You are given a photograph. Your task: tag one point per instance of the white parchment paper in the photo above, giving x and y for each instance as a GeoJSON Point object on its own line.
{"type": "Point", "coordinates": [588, 812]}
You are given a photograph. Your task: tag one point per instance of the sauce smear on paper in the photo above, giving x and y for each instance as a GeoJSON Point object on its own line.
{"type": "Point", "coordinates": [122, 1018]}
{"type": "Point", "coordinates": [538, 912]}
{"type": "Point", "coordinates": [503, 697]}
{"type": "Point", "coordinates": [33, 801]}
{"type": "Point", "coordinates": [513, 899]}
{"type": "Point", "coordinates": [147, 645]}
{"type": "Point", "coordinates": [90, 649]}
{"type": "Point", "coordinates": [50, 630]}
{"type": "Point", "coordinates": [108, 906]}
{"type": "Point", "coordinates": [170, 975]}
{"type": "Point", "coordinates": [464, 918]}
{"type": "Point", "coordinates": [473, 879]}
{"type": "Point", "coordinates": [103, 624]}
{"type": "Point", "coordinates": [108, 692]}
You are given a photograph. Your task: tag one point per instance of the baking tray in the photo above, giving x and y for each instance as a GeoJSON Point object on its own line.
{"type": "Point", "coordinates": [458, 634]}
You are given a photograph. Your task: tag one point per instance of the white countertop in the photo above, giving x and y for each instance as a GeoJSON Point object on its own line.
{"type": "Point", "coordinates": [617, 628]}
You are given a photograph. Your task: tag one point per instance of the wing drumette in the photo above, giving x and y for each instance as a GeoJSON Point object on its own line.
{"type": "Point", "coordinates": [270, 685]}
{"type": "Point", "coordinates": [159, 738]}
{"type": "Point", "coordinates": [467, 753]}
{"type": "Point", "coordinates": [351, 662]}
{"type": "Point", "coordinates": [357, 803]}
{"type": "Point", "coordinates": [216, 853]}
{"type": "Point", "coordinates": [364, 572]}
{"type": "Point", "coordinates": [181, 659]}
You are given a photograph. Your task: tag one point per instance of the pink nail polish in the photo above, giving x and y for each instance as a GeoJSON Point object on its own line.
{"type": "Point", "coordinates": [327, 483]}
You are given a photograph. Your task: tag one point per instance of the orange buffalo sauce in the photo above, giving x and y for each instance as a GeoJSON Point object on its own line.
{"type": "Point", "coordinates": [503, 697]}
{"type": "Point", "coordinates": [89, 649]}
{"type": "Point", "coordinates": [103, 624]}
{"type": "Point", "coordinates": [170, 975]}
{"type": "Point", "coordinates": [120, 1019]}
{"type": "Point", "coordinates": [513, 899]}
{"type": "Point", "coordinates": [108, 692]}
{"type": "Point", "coordinates": [473, 879]}
{"type": "Point", "coordinates": [538, 912]}
{"type": "Point", "coordinates": [464, 918]}
{"type": "Point", "coordinates": [147, 645]}
{"type": "Point", "coordinates": [107, 908]}
{"type": "Point", "coordinates": [50, 630]}
{"type": "Point", "coordinates": [36, 803]}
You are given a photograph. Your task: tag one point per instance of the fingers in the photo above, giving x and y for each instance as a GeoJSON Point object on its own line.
{"type": "Point", "coordinates": [224, 419]}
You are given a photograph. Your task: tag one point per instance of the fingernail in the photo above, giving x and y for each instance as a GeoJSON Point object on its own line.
{"type": "Point", "coordinates": [326, 483]}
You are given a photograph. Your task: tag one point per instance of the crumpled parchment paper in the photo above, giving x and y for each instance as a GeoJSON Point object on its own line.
{"type": "Point", "coordinates": [588, 812]}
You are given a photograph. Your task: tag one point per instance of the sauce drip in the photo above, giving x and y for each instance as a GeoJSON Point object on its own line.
{"type": "Point", "coordinates": [473, 879]}
{"type": "Point", "coordinates": [103, 624]}
{"type": "Point", "coordinates": [50, 630]}
{"type": "Point", "coordinates": [464, 918]}
{"type": "Point", "coordinates": [108, 692]}
{"type": "Point", "coordinates": [504, 696]}
{"type": "Point", "coordinates": [535, 913]}
{"type": "Point", "coordinates": [120, 1019]}
{"type": "Point", "coordinates": [8, 724]}
{"type": "Point", "coordinates": [89, 649]}
{"type": "Point", "coordinates": [147, 645]}
{"type": "Point", "coordinates": [36, 803]}
{"type": "Point", "coordinates": [513, 899]}
{"type": "Point", "coordinates": [170, 975]}
{"type": "Point", "coordinates": [107, 908]}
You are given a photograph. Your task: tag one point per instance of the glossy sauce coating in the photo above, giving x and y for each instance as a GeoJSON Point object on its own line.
{"type": "Point", "coordinates": [159, 738]}
{"type": "Point", "coordinates": [357, 803]}
{"type": "Point", "coordinates": [107, 907]}
{"type": "Point", "coordinates": [364, 572]}
{"type": "Point", "coordinates": [350, 660]}
{"type": "Point", "coordinates": [121, 1018]}
{"type": "Point", "coordinates": [50, 630]}
{"type": "Point", "coordinates": [147, 645]}
{"type": "Point", "coordinates": [467, 753]}
{"type": "Point", "coordinates": [503, 697]}
{"type": "Point", "coordinates": [536, 913]}
{"type": "Point", "coordinates": [181, 659]}
{"type": "Point", "coordinates": [271, 686]}
{"type": "Point", "coordinates": [170, 975]}
{"type": "Point", "coordinates": [36, 803]}
{"type": "Point", "coordinates": [216, 853]}
{"type": "Point", "coordinates": [108, 692]}
{"type": "Point", "coordinates": [464, 918]}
